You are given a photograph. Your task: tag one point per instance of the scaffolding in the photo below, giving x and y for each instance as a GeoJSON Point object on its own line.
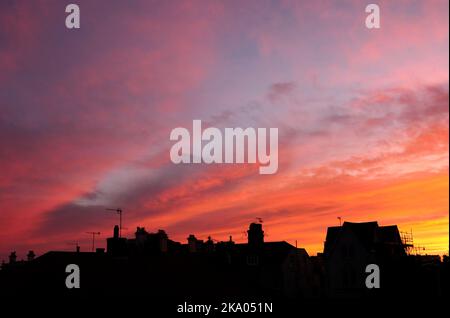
{"type": "Point", "coordinates": [407, 241]}
{"type": "Point", "coordinates": [408, 244]}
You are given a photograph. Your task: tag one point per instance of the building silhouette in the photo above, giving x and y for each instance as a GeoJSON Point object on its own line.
{"type": "Point", "coordinates": [166, 268]}
{"type": "Point", "coordinates": [351, 247]}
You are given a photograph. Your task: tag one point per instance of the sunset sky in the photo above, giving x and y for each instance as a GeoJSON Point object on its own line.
{"type": "Point", "coordinates": [86, 114]}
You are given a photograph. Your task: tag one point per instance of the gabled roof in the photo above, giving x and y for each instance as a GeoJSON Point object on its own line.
{"type": "Point", "coordinates": [389, 234]}
{"type": "Point", "coordinates": [369, 234]}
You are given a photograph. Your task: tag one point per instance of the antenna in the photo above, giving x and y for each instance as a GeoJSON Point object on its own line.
{"type": "Point", "coordinates": [118, 211]}
{"type": "Point", "coordinates": [340, 220]}
{"type": "Point", "coordinates": [93, 239]}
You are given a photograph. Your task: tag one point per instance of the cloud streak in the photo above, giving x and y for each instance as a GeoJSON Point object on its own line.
{"type": "Point", "coordinates": [85, 118]}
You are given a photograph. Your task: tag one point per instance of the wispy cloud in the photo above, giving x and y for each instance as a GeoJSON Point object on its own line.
{"type": "Point", "coordinates": [85, 118]}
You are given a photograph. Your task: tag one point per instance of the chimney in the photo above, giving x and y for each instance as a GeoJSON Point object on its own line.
{"type": "Point", "coordinates": [31, 255]}
{"type": "Point", "coordinates": [255, 235]}
{"type": "Point", "coordinates": [209, 244]}
{"type": "Point", "coordinates": [162, 240]}
{"type": "Point", "coordinates": [192, 243]}
{"type": "Point", "coordinates": [12, 257]}
{"type": "Point", "coordinates": [116, 232]}
{"type": "Point", "coordinates": [141, 236]}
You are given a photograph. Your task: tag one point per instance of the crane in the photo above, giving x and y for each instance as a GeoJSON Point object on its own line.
{"type": "Point", "coordinates": [93, 239]}
{"type": "Point", "coordinates": [118, 211]}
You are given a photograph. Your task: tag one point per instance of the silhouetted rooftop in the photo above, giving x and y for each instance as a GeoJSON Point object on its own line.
{"type": "Point", "coordinates": [369, 234]}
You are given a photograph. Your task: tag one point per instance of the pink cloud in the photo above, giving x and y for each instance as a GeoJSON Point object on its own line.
{"type": "Point", "coordinates": [363, 117]}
